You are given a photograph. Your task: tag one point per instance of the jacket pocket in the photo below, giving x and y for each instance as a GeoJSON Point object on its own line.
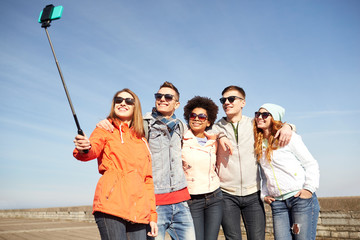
{"type": "Point", "coordinates": [111, 188]}
{"type": "Point", "coordinates": [106, 186]}
{"type": "Point", "coordinates": [155, 139]}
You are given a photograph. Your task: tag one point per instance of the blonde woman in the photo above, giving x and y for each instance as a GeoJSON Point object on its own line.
{"type": "Point", "coordinates": [124, 202]}
{"type": "Point", "coordinates": [290, 177]}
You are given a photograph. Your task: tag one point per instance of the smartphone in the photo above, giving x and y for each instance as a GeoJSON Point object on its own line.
{"type": "Point", "coordinates": [50, 13]}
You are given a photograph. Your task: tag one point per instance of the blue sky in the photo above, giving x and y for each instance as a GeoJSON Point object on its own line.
{"type": "Point", "coordinates": [303, 55]}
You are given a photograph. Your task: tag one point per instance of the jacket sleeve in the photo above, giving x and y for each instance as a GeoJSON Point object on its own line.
{"type": "Point", "coordinates": [97, 141]}
{"type": "Point", "coordinates": [149, 182]}
{"type": "Point", "coordinates": [264, 190]}
{"type": "Point", "coordinates": [310, 165]}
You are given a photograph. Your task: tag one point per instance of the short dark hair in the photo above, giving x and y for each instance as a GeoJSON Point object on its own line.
{"type": "Point", "coordinates": [170, 85]}
{"type": "Point", "coordinates": [201, 102]}
{"type": "Point", "coordinates": [233, 87]}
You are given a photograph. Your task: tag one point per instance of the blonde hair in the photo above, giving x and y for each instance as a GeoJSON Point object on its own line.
{"type": "Point", "coordinates": [137, 120]}
{"type": "Point", "coordinates": [273, 143]}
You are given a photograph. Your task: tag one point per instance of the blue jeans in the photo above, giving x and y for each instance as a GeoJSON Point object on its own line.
{"type": "Point", "coordinates": [251, 208]}
{"type": "Point", "coordinates": [295, 218]}
{"type": "Point", "coordinates": [206, 211]}
{"type": "Point", "coordinates": [111, 227]}
{"type": "Point", "coordinates": [176, 220]}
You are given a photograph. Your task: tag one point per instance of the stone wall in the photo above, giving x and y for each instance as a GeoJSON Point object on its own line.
{"type": "Point", "coordinates": [339, 217]}
{"type": "Point", "coordinates": [80, 213]}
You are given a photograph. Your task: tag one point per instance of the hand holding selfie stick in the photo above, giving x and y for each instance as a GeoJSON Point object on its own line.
{"type": "Point", "coordinates": [52, 13]}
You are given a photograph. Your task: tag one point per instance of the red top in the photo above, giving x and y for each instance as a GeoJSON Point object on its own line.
{"type": "Point", "coordinates": [173, 197]}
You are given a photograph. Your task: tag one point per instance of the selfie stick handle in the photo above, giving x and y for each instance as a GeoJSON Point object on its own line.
{"type": "Point", "coordinates": [65, 88]}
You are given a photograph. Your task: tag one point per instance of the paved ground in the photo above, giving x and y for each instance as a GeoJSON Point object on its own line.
{"type": "Point", "coordinates": [43, 229]}
{"type": "Point", "coordinates": [47, 229]}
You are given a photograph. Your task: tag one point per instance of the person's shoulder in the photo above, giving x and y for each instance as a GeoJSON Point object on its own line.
{"type": "Point", "coordinates": [148, 116]}
{"type": "Point", "coordinates": [182, 123]}
{"type": "Point", "coordinates": [103, 133]}
{"type": "Point", "coordinates": [246, 121]}
{"type": "Point", "coordinates": [222, 121]}
{"type": "Point", "coordinates": [188, 134]}
{"type": "Point", "coordinates": [100, 130]}
{"type": "Point", "coordinates": [295, 140]}
{"type": "Point", "coordinates": [295, 137]}
{"type": "Point", "coordinates": [246, 118]}
{"type": "Point", "coordinates": [183, 127]}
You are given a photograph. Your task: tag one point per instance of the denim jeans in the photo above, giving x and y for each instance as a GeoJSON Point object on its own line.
{"type": "Point", "coordinates": [206, 211]}
{"type": "Point", "coordinates": [111, 227]}
{"type": "Point", "coordinates": [295, 218]}
{"type": "Point", "coordinates": [176, 220]}
{"type": "Point", "coordinates": [251, 208]}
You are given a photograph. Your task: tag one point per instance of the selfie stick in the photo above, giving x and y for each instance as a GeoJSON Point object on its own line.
{"type": "Point", "coordinates": [45, 18]}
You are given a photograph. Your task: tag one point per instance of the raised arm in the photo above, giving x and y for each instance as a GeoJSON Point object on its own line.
{"type": "Point", "coordinates": [82, 143]}
{"type": "Point", "coordinates": [94, 145]}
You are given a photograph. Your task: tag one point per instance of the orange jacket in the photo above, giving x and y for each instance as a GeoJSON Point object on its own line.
{"type": "Point", "coordinates": [126, 189]}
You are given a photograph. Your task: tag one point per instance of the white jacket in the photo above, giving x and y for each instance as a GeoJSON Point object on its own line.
{"type": "Point", "coordinates": [199, 165]}
{"type": "Point", "coordinates": [292, 168]}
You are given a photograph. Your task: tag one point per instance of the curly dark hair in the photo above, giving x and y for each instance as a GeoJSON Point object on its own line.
{"type": "Point", "coordinates": [201, 102]}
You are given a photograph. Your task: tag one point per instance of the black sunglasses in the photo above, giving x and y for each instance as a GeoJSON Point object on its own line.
{"type": "Point", "coordinates": [230, 99]}
{"type": "Point", "coordinates": [168, 97]}
{"type": "Point", "coordinates": [264, 115]}
{"type": "Point", "coordinates": [202, 117]}
{"type": "Point", "coordinates": [128, 101]}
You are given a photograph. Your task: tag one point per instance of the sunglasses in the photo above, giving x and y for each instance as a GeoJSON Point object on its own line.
{"type": "Point", "coordinates": [128, 101]}
{"type": "Point", "coordinates": [168, 97]}
{"type": "Point", "coordinates": [202, 117]}
{"type": "Point", "coordinates": [231, 99]}
{"type": "Point", "coordinates": [264, 115]}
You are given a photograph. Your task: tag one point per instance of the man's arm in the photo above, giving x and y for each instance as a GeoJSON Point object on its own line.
{"type": "Point", "coordinates": [225, 144]}
{"type": "Point", "coordinates": [222, 139]}
{"type": "Point", "coordinates": [285, 134]}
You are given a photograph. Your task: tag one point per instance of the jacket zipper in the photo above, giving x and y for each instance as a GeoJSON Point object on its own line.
{"type": "Point", "coordinates": [276, 181]}
{"type": "Point", "coordinates": [241, 178]}
{"type": "Point", "coordinates": [209, 171]}
{"type": "Point", "coordinates": [112, 188]}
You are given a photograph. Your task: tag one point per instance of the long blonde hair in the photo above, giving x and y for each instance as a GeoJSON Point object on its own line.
{"type": "Point", "coordinates": [273, 143]}
{"type": "Point", "coordinates": [137, 119]}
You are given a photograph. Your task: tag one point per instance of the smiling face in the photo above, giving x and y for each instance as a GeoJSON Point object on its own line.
{"type": "Point", "coordinates": [164, 106]}
{"type": "Point", "coordinates": [198, 126]}
{"type": "Point", "coordinates": [233, 109]}
{"type": "Point", "coordinates": [262, 123]}
{"type": "Point", "coordinates": [122, 110]}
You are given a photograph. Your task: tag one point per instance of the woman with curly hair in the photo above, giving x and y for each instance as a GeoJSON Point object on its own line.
{"type": "Point", "coordinates": [290, 177]}
{"type": "Point", "coordinates": [199, 163]}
